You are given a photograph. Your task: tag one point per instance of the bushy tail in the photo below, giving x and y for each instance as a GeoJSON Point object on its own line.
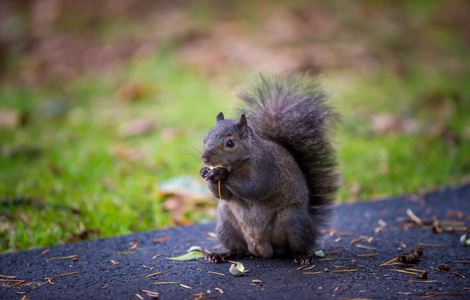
{"type": "Point", "coordinates": [292, 111]}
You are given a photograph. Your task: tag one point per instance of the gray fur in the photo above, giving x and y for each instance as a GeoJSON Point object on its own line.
{"type": "Point", "coordinates": [278, 179]}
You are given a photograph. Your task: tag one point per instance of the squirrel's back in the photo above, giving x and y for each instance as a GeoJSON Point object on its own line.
{"type": "Point", "coordinates": [293, 112]}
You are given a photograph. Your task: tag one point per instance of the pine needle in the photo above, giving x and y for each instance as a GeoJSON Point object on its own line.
{"type": "Point", "coordinates": [387, 263]}
{"type": "Point", "coordinates": [153, 274]}
{"type": "Point", "coordinates": [423, 281]}
{"type": "Point", "coordinates": [405, 272]}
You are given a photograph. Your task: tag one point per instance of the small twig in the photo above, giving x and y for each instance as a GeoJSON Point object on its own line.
{"type": "Point", "coordinates": [367, 255]}
{"type": "Point", "coordinates": [422, 281]}
{"type": "Point", "coordinates": [436, 294]}
{"type": "Point", "coordinates": [429, 245]}
{"type": "Point", "coordinates": [327, 259]}
{"type": "Point", "coordinates": [344, 271]}
{"type": "Point", "coordinates": [71, 257]}
{"type": "Point", "coordinates": [309, 267]}
{"type": "Point", "coordinates": [462, 261]}
{"type": "Point", "coordinates": [16, 284]}
{"type": "Point", "coordinates": [457, 274]}
{"type": "Point", "coordinates": [151, 294]}
{"type": "Point", "coordinates": [138, 296]}
{"type": "Point", "coordinates": [365, 247]}
{"type": "Point", "coordinates": [10, 280]}
{"type": "Point", "coordinates": [311, 273]}
{"type": "Point", "coordinates": [66, 274]}
{"type": "Point", "coordinates": [216, 273]}
{"type": "Point", "coordinates": [414, 217]}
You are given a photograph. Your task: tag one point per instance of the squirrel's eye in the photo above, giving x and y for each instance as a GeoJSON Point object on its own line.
{"type": "Point", "coordinates": [230, 143]}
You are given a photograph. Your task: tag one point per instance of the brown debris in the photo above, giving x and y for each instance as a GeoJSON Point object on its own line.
{"type": "Point", "coordinates": [133, 245]}
{"type": "Point", "coordinates": [161, 239]}
{"type": "Point", "coordinates": [444, 267]}
{"type": "Point", "coordinates": [336, 233]}
{"type": "Point", "coordinates": [412, 257]}
{"type": "Point", "coordinates": [367, 255]}
{"type": "Point", "coordinates": [456, 214]}
{"type": "Point", "coordinates": [382, 226]}
{"type": "Point", "coordinates": [363, 238]}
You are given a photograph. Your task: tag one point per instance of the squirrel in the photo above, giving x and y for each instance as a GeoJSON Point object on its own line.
{"type": "Point", "coordinates": [274, 170]}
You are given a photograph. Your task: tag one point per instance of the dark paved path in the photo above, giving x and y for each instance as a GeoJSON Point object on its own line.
{"type": "Point", "coordinates": [107, 269]}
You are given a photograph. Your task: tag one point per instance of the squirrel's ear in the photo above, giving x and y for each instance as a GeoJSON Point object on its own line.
{"type": "Point", "coordinates": [243, 126]}
{"type": "Point", "coordinates": [220, 117]}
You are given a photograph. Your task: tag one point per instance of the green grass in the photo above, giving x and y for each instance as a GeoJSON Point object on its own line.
{"type": "Point", "coordinates": [61, 180]}
{"type": "Point", "coordinates": [72, 180]}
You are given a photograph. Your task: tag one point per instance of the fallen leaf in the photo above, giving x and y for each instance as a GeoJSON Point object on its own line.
{"type": "Point", "coordinates": [387, 123]}
{"type": "Point", "coordinates": [192, 254]}
{"type": "Point", "coordinates": [128, 154]}
{"type": "Point", "coordinates": [185, 186]}
{"type": "Point", "coordinates": [320, 253]}
{"type": "Point", "coordinates": [464, 240]}
{"type": "Point", "coordinates": [137, 127]}
{"type": "Point", "coordinates": [9, 119]}
{"type": "Point", "coordinates": [237, 269]}
{"type": "Point", "coordinates": [135, 91]}
{"type": "Point", "coordinates": [194, 248]}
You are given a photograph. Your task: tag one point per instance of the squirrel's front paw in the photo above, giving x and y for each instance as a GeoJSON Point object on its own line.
{"type": "Point", "coordinates": [203, 172]}
{"type": "Point", "coordinates": [216, 174]}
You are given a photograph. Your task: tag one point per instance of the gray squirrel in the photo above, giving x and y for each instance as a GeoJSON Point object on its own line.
{"type": "Point", "coordinates": [274, 170]}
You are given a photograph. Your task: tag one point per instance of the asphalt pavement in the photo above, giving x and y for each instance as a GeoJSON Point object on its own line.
{"type": "Point", "coordinates": [361, 237]}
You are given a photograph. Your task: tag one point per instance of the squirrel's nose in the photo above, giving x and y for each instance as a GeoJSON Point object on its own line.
{"type": "Point", "coordinates": [205, 158]}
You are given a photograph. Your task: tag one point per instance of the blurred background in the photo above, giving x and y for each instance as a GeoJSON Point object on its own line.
{"type": "Point", "coordinates": [104, 104]}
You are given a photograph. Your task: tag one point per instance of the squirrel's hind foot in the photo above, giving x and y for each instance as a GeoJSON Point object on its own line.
{"type": "Point", "coordinates": [216, 258]}
{"type": "Point", "coordinates": [303, 259]}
